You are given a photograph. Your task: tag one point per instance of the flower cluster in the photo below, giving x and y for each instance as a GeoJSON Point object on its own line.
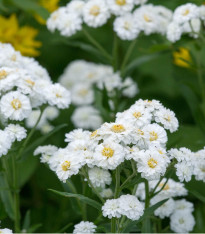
{"type": "Point", "coordinates": [187, 19]}
{"type": "Point", "coordinates": [174, 209]}
{"type": "Point", "coordinates": [84, 227]}
{"type": "Point", "coordinates": [24, 86]}
{"type": "Point", "coordinates": [82, 89]}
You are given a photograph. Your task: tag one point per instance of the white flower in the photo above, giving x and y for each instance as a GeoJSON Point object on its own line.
{"type": "Point", "coordinates": [174, 32]}
{"type": "Point", "coordinates": [86, 117]}
{"type": "Point", "coordinates": [151, 164]}
{"type": "Point", "coordinates": [99, 177]}
{"type": "Point", "coordinates": [140, 2]}
{"type": "Point", "coordinates": [15, 106]}
{"type": "Point", "coordinates": [76, 6]}
{"type": "Point", "coordinates": [6, 231]}
{"type": "Point", "coordinates": [51, 112]}
{"type": "Point", "coordinates": [82, 94]}
{"type": "Point", "coordinates": [184, 171]}
{"type": "Point", "coordinates": [68, 23]}
{"type": "Point", "coordinates": [57, 95]}
{"type": "Point", "coordinates": [131, 207]}
{"type": "Point", "coordinates": [77, 134]}
{"type": "Point", "coordinates": [167, 118]}
{"type": "Point", "coordinates": [33, 118]}
{"type": "Point", "coordinates": [199, 170]}
{"type": "Point", "coordinates": [202, 12]}
{"type": "Point", "coordinates": [111, 208]}
{"type": "Point", "coordinates": [8, 78]}
{"type": "Point", "coordinates": [106, 193]}
{"type": "Point", "coordinates": [155, 135]}
{"type": "Point", "coordinates": [126, 27]}
{"type": "Point", "coordinates": [5, 142]}
{"type": "Point", "coordinates": [182, 222]}
{"type": "Point", "coordinates": [147, 19]}
{"type": "Point", "coordinates": [130, 88]}
{"type": "Point", "coordinates": [109, 155]}
{"type": "Point", "coordinates": [84, 227]}
{"type": "Point", "coordinates": [95, 13]}
{"type": "Point", "coordinates": [46, 152]}
{"type": "Point", "coordinates": [185, 13]}
{"type": "Point", "coordinates": [183, 205]}
{"type": "Point", "coordinates": [120, 7]}
{"type": "Point", "coordinates": [16, 132]}
{"type": "Point", "coordinates": [65, 163]}
{"type": "Point", "coordinates": [182, 154]}
{"type": "Point", "coordinates": [166, 209]}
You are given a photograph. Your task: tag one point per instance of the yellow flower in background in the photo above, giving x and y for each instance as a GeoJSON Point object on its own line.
{"type": "Point", "coordinates": [22, 38]}
{"type": "Point", "coordinates": [181, 56]}
{"type": "Point", "coordinates": [50, 5]}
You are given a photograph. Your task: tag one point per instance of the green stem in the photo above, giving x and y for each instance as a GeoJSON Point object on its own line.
{"type": "Point", "coordinates": [97, 45]}
{"type": "Point", "coordinates": [30, 135]}
{"type": "Point", "coordinates": [113, 225]}
{"type": "Point", "coordinates": [117, 182]}
{"type": "Point", "coordinates": [127, 56]}
{"type": "Point", "coordinates": [115, 53]}
{"type": "Point", "coordinates": [147, 198]}
{"type": "Point", "coordinates": [16, 195]}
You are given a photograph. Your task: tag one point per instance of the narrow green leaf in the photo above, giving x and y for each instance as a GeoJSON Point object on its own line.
{"type": "Point", "coordinates": [82, 198]}
{"type": "Point", "coordinates": [27, 220]}
{"type": "Point", "coordinates": [40, 140]}
{"type": "Point", "coordinates": [31, 6]}
{"type": "Point", "coordinates": [6, 197]}
{"type": "Point", "coordinates": [139, 61]}
{"type": "Point", "coordinates": [33, 228]}
{"type": "Point", "coordinates": [197, 195]}
{"type": "Point", "coordinates": [64, 228]}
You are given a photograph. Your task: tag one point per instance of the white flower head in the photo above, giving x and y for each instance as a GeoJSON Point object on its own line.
{"type": "Point", "coordinates": [183, 205]}
{"type": "Point", "coordinates": [46, 152]}
{"type": "Point", "coordinates": [16, 132]}
{"type": "Point", "coordinates": [109, 155]}
{"type": "Point", "coordinates": [15, 106]}
{"type": "Point", "coordinates": [120, 7]}
{"type": "Point", "coordinates": [5, 142]}
{"type": "Point", "coordinates": [111, 208]}
{"type": "Point", "coordinates": [126, 27]}
{"type": "Point", "coordinates": [131, 207]}
{"type": "Point", "coordinates": [99, 177]}
{"type": "Point", "coordinates": [182, 222]}
{"type": "Point", "coordinates": [107, 193]}
{"type": "Point", "coordinates": [95, 13]}
{"type": "Point", "coordinates": [84, 227]}
{"type": "Point", "coordinates": [184, 171]}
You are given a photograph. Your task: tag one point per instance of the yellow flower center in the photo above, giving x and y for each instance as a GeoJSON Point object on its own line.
{"type": "Point", "coordinates": [95, 10]}
{"type": "Point", "coordinates": [153, 136]}
{"type": "Point", "coordinates": [126, 25]}
{"type": "Point", "coordinates": [65, 166]}
{"type": "Point", "coordinates": [137, 115]}
{"type": "Point", "coordinates": [13, 57]}
{"type": "Point", "coordinates": [30, 82]}
{"type": "Point", "coordinates": [16, 104]}
{"type": "Point", "coordinates": [93, 134]}
{"type": "Point", "coordinates": [107, 152]}
{"type": "Point", "coordinates": [3, 74]}
{"type": "Point", "coordinates": [186, 12]}
{"type": "Point", "coordinates": [181, 221]}
{"type": "Point", "coordinates": [152, 163]}
{"type": "Point", "coordinates": [166, 187]}
{"type": "Point", "coordinates": [83, 92]}
{"type": "Point", "coordinates": [140, 132]}
{"type": "Point", "coordinates": [160, 151]}
{"type": "Point", "coordinates": [203, 169]}
{"type": "Point", "coordinates": [168, 118]}
{"type": "Point", "coordinates": [120, 2]}
{"type": "Point", "coordinates": [117, 128]}
{"type": "Point", "coordinates": [147, 18]}
{"type": "Point", "coordinates": [58, 95]}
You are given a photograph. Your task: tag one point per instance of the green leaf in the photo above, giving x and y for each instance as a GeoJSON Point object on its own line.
{"type": "Point", "coordinates": [27, 220]}
{"type": "Point", "coordinates": [133, 182]}
{"type": "Point", "coordinates": [33, 228]}
{"type": "Point", "coordinates": [6, 196]}
{"type": "Point", "coordinates": [64, 228]}
{"type": "Point", "coordinates": [82, 198]}
{"type": "Point", "coordinates": [139, 61]}
{"type": "Point", "coordinates": [40, 140]}
{"type": "Point", "coordinates": [31, 6]}
{"type": "Point", "coordinates": [197, 195]}
{"type": "Point", "coordinates": [83, 46]}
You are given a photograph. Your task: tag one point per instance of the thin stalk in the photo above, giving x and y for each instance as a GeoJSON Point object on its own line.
{"type": "Point", "coordinates": [130, 177]}
{"type": "Point", "coordinates": [115, 53]}
{"type": "Point", "coordinates": [29, 135]}
{"type": "Point", "coordinates": [127, 56]}
{"type": "Point", "coordinates": [117, 182]}
{"type": "Point", "coordinates": [147, 198]}
{"type": "Point", "coordinates": [97, 45]}
{"type": "Point", "coordinates": [16, 195]}
{"type": "Point", "coordinates": [113, 225]}
{"type": "Point", "coordinates": [161, 188]}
